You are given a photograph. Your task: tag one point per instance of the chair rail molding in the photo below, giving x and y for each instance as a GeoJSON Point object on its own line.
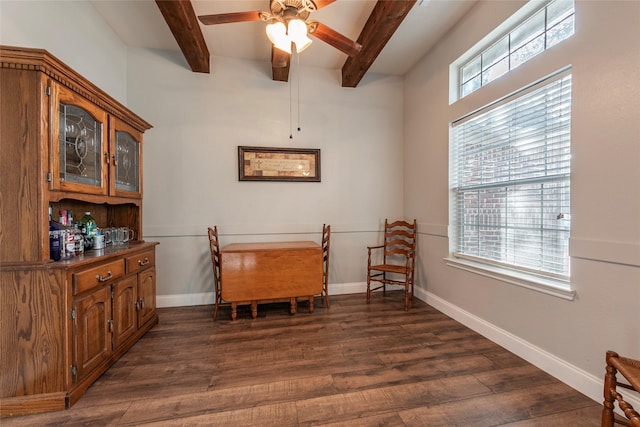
{"type": "Point", "coordinates": [627, 253]}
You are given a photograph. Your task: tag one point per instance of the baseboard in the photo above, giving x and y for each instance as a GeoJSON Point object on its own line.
{"type": "Point", "coordinates": [586, 383]}
{"type": "Point", "coordinates": [184, 300]}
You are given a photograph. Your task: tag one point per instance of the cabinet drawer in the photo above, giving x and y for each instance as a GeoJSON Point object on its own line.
{"type": "Point", "coordinates": [141, 260]}
{"type": "Point", "coordinates": [91, 277]}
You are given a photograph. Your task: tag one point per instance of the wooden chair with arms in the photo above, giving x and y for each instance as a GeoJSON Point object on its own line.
{"type": "Point", "coordinates": [398, 259]}
{"type": "Point", "coordinates": [326, 241]}
{"type": "Point", "coordinates": [214, 246]}
{"type": "Point", "coordinates": [630, 370]}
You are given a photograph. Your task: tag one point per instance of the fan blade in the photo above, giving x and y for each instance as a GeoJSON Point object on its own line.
{"type": "Point", "coordinates": [226, 18]}
{"type": "Point", "coordinates": [334, 38]}
{"type": "Point", "coordinates": [322, 3]}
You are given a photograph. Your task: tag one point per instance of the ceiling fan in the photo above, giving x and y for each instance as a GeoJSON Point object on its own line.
{"type": "Point", "coordinates": [287, 24]}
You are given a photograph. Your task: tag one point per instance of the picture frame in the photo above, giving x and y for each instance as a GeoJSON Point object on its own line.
{"type": "Point", "coordinates": [278, 164]}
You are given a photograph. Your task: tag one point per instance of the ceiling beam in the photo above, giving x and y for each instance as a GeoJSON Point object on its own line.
{"type": "Point", "coordinates": [386, 17]}
{"type": "Point", "coordinates": [185, 27]}
{"type": "Point", "coordinates": [280, 63]}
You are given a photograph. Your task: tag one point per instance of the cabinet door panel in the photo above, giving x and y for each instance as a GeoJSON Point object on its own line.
{"type": "Point", "coordinates": [92, 325]}
{"type": "Point", "coordinates": [126, 161]}
{"type": "Point", "coordinates": [125, 319]}
{"type": "Point", "coordinates": [79, 146]}
{"type": "Point", "coordinates": [146, 295]}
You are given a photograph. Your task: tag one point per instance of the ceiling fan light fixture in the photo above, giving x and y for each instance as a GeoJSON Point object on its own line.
{"type": "Point", "coordinates": [277, 34]}
{"type": "Point", "coordinates": [302, 45]}
{"type": "Point", "coordinates": [276, 31]}
{"type": "Point", "coordinates": [297, 31]}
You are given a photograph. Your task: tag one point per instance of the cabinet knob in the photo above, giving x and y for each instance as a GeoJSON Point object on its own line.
{"type": "Point", "coordinates": [143, 262]}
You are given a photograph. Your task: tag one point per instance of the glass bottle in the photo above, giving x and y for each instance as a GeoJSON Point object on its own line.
{"type": "Point", "coordinates": [88, 228]}
{"type": "Point", "coordinates": [55, 238]}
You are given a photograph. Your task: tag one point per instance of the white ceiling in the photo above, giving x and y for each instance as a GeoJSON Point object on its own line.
{"type": "Point", "coordinates": [139, 23]}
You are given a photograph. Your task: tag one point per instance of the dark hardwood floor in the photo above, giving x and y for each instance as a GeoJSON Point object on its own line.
{"type": "Point", "coordinates": [352, 365]}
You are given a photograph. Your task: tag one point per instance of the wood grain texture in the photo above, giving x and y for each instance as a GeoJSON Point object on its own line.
{"type": "Point", "coordinates": [266, 271]}
{"type": "Point", "coordinates": [36, 348]}
{"type": "Point", "coordinates": [335, 367]}
{"type": "Point", "coordinates": [182, 22]}
{"type": "Point", "coordinates": [386, 17]}
{"type": "Point", "coordinates": [39, 345]}
{"type": "Point", "coordinates": [20, 145]}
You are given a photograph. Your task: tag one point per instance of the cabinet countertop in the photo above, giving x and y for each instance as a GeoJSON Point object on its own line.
{"type": "Point", "coordinates": [87, 257]}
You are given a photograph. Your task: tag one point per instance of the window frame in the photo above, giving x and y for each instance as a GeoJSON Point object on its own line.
{"type": "Point", "coordinates": [504, 31]}
{"type": "Point", "coordinates": [552, 284]}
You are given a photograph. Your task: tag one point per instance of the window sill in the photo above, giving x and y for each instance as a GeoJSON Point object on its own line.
{"type": "Point", "coordinates": [556, 288]}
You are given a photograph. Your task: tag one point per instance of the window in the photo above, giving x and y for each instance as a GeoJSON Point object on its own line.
{"type": "Point", "coordinates": [542, 30]}
{"type": "Point", "coordinates": [510, 188]}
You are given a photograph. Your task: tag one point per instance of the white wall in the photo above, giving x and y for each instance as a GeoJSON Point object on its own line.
{"type": "Point", "coordinates": [191, 167]}
{"type": "Point", "coordinates": [567, 338]}
{"type": "Point", "coordinates": [73, 32]}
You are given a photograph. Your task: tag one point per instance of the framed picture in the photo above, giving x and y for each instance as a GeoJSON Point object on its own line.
{"type": "Point", "coordinates": [278, 164]}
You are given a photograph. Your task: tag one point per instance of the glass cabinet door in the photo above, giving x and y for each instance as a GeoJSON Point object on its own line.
{"type": "Point", "coordinates": [78, 155]}
{"type": "Point", "coordinates": [125, 160]}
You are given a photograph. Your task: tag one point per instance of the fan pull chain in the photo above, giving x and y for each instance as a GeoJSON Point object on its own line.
{"type": "Point", "coordinates": [290, 112]}
{"type": "Point", "coordinates": [298, 79]}
{"type": "Point", "coordinates": [297, 75]}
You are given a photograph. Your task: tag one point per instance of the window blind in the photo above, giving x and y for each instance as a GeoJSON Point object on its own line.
{"type": "Point", "coordinates": [510, 181]}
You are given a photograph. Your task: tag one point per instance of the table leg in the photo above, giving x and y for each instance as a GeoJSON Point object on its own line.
{"type": "Point", "coordinates": [294, 305]}
{"type": "Point", "coordinates": [311, 304]}
{"type": "Point", "coordinates": [234, 310]}
{"type": "Point", "coordinates": [254, 309]}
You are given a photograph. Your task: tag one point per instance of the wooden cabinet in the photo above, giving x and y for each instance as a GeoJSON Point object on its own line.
{"type": "Point", "coordinates": [66, 144]}
{"type": "Point", "coordinates": [108, 313]}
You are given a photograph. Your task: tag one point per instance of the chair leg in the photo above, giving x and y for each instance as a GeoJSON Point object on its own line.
{"type": "Point", "coordinates": [384, 284]}
{"type": "Point", "coordinates": [406, 296]}
{"type": "Point", "coordinates": [326, 300]}
{"type": "Point", "coordinates": [216, 304]}
{"type": "Point", "coordinates": [608, 405]}
{"type": "Point", "coordinates": [368, 288]}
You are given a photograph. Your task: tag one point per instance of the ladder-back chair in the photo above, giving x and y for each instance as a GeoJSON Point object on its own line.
{"type": "Point", "coordinates": [326, 243]}
{"type": "Point", "coordinates": [214, 246]}
{"type": "Point", "coordinates": [630, 370]}
{"type": "Point", "coordinates": [398, 259]}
